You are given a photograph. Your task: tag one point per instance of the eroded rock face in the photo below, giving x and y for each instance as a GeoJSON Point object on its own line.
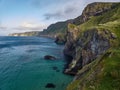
{"type": "Point", "coordinates": [60, 40]}
{"type": "Point", "coordinates": [72, 37]}
{"type": "Point", "coordinates": [93, 9]}
{"type": "Point", "coordinates": [86, 48]}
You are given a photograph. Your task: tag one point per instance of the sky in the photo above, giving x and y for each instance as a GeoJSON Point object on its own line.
{"type": "Point", "coordinates": [35, 15]}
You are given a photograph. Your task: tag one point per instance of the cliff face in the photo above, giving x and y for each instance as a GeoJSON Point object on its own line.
{"type": "Point", "coordinates": [93, 9]}
{"type": "Point", "coordinates": [94, 47]}
{"type": "Point", "coordinates": [86, 46]}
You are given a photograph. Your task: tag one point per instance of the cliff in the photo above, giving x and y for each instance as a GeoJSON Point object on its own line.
{"type": "Point", "coordinates": [59, 29]}
{"type": "Point", "coordinates": [94, 49]}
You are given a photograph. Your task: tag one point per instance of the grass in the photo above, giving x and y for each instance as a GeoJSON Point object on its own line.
{"type": "Point", "coordinates": [109, 20]}
{"type": "Point", "coordinates": [108, 77]}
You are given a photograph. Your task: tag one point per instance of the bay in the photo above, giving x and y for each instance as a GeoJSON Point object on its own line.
{"type": "Point", "coordinates": [23, 67]}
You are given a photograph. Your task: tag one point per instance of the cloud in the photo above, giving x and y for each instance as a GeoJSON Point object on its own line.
{"type": "Point", "coordinates": [55, 15]}
{"type": "Point", "coordinates": [90, 1]}
{"type": "Point", "coordinates": [36, 3]}
{"type": "Point", "coordinates": [3, 28]}
{"type": "Point", "coordinates": [70, 9]}
{"type": "Point", "coordinates": [30, 26]}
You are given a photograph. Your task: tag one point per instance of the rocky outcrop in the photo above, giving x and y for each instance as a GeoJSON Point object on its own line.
{"type": "Point", "coordinates": [60, 39]}
{"type": "Point", "coordinates": [85, 46]}
{"type": "Point", "coordinates": [93, 9]}
{"type": "Point", "coordinates": [96, 9]}
{"type": "Point", "coordinates": [49, 57]}
{"type": "Point", "coordinates": [50, 85]}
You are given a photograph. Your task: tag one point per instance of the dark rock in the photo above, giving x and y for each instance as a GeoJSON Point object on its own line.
{"type": "Point", "coordinates": [50, 85]}
{"type": "Point", "coordinates": [86, 48]}
{"type": "Point", "coordinates": [63, 85]}
{"type": "Point", "coordinates": [59, 40]}
{"type": "Point", "coordinates": [55, 68]}
{"type": "Point", "coordinates": [48, 57]}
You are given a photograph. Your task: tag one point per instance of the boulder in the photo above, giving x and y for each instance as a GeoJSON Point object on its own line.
{"type": "Point", "coordinates": [49, 57]}
{"type": "Point", "coordinates": [60, 39]}
{"type": "Point", "coordinates": [55, 68]}
{"type": "Point", "coordinates": [50, 85]}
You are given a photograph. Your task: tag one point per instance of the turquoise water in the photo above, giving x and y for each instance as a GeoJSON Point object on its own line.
{"type": "Point", "coordinates": [22, 66]}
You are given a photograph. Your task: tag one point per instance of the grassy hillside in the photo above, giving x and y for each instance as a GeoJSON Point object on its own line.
{"type": "Point", "coordinates": [106, 20]}
{"type": "Point", "coordinates": [104, 73]}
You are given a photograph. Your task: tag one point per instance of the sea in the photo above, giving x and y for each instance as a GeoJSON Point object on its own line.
{"type": "Point", "coordinates": [23, 67]}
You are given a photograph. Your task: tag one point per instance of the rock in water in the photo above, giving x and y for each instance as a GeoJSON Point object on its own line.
{"type": "Point", "coordinates": [50, 85]}
{"type": "Point", "coordinates": [60, 40]}
{"type": "Point", "coordinates": [48, 57]}
{"type": "Point", "coordinates": [55, 68]}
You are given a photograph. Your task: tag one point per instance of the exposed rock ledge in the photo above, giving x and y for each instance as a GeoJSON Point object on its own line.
{"type": "Point", "coordinates": [85, 46]}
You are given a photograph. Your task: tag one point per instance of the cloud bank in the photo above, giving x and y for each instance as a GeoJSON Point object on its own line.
{"type": "Point", "coordinates": [61, 13]}
{"type": "Point", "coordinates": [30, 26]}
{"type": "Point", "coordinates": [66, 10]}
